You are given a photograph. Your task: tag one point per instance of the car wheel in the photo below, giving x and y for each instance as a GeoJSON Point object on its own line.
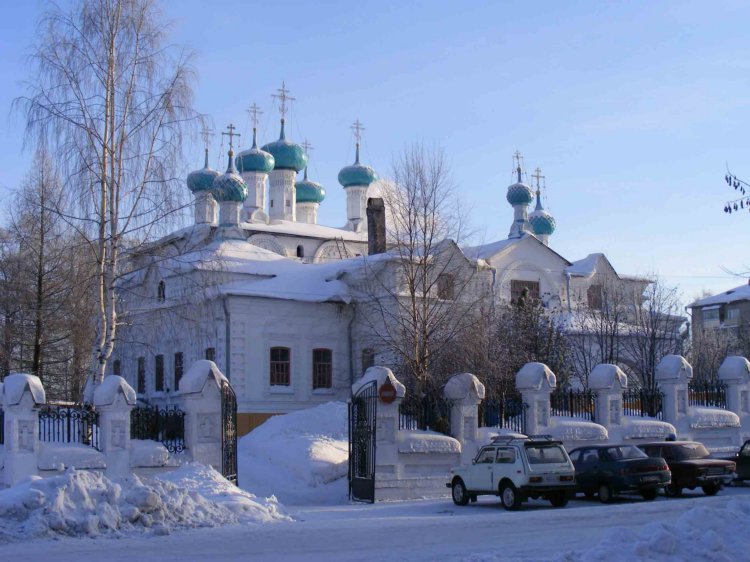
{"type": "Point", "coordinates": [649, 494]}
{"type": "Point", "coordinates": [605, 493]}
{"type": "Point", "coordinates": [672, 491]}
{"type": "Point", "coordinates": [558, 499]}
{"type": "Point", "coordinates": [458, 493]}
{"type": "Point", "coordinates": [711, 489]}
{"type": "Point", "coordinates": [509, 496]}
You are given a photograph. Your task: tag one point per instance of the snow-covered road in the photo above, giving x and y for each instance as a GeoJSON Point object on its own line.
{"type": "Point", "coordinates": [422, 530]}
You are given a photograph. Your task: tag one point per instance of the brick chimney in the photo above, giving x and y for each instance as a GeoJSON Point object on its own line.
{"type": "Point", "coordinates": [375, 226]}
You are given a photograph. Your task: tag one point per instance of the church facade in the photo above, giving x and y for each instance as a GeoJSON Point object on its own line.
{"type": "Point", "coordinates": [256, 285]}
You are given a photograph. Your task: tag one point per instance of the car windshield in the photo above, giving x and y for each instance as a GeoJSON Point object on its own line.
{"type": "Point", "coordinates": [686, 451]}
{"type": "Point", "coordinates": [544, 454]}
{"type": "Point", "coordinates": [625, 452]}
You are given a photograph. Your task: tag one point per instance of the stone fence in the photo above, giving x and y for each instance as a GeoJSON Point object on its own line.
{"type": "Point", "coordinates": [23, 453]}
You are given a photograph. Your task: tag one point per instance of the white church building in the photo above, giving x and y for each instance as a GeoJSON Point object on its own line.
{"type": "Point", "coordinates": [256, 285]}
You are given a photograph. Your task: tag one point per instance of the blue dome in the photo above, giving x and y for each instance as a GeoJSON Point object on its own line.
{"type": "Point", "coordinates": [286, 154]}
{"type": "Point", "coordinates": [203, 179]}
{"type": "Point", "coordinates": [542, 222]}
{"type": "Point", "coordinates": [357, 174]}
{"type": "Point", "coordinates": [254, 159]}
{"type": "Point", "coordinates": [230, 186]}
{"type": "Point", "coordinates": [519, 194]}
{"type": "Point", "coordinates": [309, 191]}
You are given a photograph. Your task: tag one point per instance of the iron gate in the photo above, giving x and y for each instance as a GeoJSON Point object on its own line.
{"type": "Point", "coordinates": [362, 418]}
{"type": "Point", "coordinates": [229, 432]}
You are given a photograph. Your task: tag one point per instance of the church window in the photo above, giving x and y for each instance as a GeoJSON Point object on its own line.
{"type": "Point", "coordinates": [159, 373]}
{"type": "Point", "coordinates": [288, 202]}
{"type": "Point", "coordinates": [177, 369]}
{"type": "Point", "coordinates": [116, 369]}
{"type": "Point", "coordinates": [594, 296]}
{"type": "Point", "coordinates": [271, 204]}
{"type": "Point", "coordinates": [368, 359]}
{"type": "Point", "coordinates": [161, 292]}
{"type": "Point", "coordinates": [141, 383]}
{"type": "Point", "coordinates": [517, 287]}
{"type": "Point", "coordinates": [211, 354]}
{"type": "Point", "coordinates": [445, 286]}
{"type": "Point", "coordinates": [300, 251]}
{"type": "Point", "coordinates": [280, 366]}
{"type": "Point", "coordinates": [322, 375]}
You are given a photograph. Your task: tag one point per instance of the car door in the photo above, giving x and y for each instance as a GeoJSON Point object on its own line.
{"type": "Point", "coordinates": [481, 470]}
{"type": "Point", "coordinates": [586, 469]}
{"type": "Point", "coordinates": [743, 462]}
{"type": "Point", "coordinates": [508, 464]}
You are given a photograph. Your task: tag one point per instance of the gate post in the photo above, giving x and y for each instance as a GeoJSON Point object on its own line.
{"type": "Point", "coordinates": [608, 382]}
{"type": "Point", "coordinates": [22, 395]}
{"type": "Point", "coordinates": [465, 393]}
{"type": "Point", "coordinates": [200, 398]}
{"type": "Point", "coordinates": [535, 381]}
{"type": "Point", "coordinates": [735, 373]}
{"type": "Point", "coordinates": [114, 399]}
{"type": "Point", "coordinates": [673, 373]}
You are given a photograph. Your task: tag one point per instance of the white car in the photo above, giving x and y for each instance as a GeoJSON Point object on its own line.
{"type": "Point", "coordinates": [516, 468]}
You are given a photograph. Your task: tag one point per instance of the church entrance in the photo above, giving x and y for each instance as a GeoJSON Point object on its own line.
{"type": "Point", "coordinates": [362, 420]}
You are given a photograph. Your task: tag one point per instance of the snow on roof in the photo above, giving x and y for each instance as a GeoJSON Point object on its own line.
{"type": "Point", "coordinates": [462, 386]}
{"type": "Point", "coordinates": [106, 392]}
{"type": "Point", "coordinates": [585, 267]}
{"type": "Point", "coordinates": [604, 376]}
{"type": "Point", "coordinates": [231, 256]}
{"type": "Point", "coordinates": [741, 293]}
{"type": "Point", "coordinates": [533, 375]}
{"type": "Point", "coordinates": [306, 229]}
{"type": "Point", "coordinates": [14, 385]}
{"type": "Point", "coordinates": [674, 367]}
{"type": "Point", "coordinates": [199, 374]}
{"type": "Point", "coordinates": [486, 251]}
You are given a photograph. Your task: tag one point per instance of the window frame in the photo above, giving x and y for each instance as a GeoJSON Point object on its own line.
{"type": "Point", "coordinates": [446, 287]}
{"type": "Point", "coordinates": [280, 370]}
{"type": "Point", "coordinates": [518, 285]}
{"type": "Point", "coordinates": [210, 354]}
{"type": "Point", "coordinates": [141, 375]}
{"type": "Point", "coordinates": [179, 368]}
{"type": "Point", "coordinates": [368, 358]}
{"type": "Point", "coordinates": [322, 370]}
{"type": "Point", "coordinates": [159, 382]}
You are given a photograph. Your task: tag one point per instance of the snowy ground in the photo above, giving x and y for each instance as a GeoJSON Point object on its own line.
{"type": "Point", "coordinates": [695, 527]}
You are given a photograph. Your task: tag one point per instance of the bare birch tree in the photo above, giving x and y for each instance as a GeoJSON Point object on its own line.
{"type": "Point", "coordinates": [114, 100]}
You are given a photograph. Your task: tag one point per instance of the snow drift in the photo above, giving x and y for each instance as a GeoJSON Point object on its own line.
{"type": "Point", "coordinates": [83, 503]}
{"type": "Point", "coordinates": [301, 457]}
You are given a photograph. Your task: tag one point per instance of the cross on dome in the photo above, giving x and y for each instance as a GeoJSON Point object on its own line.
{"type": "Point", "coordinates": [231, 134]}
{"type": "Point", "coordinates": [283, 96]}
{"type": "Point", "coordinates": [206, 135]}
{"type": "Point", "coordinates": [537, 175]}
{"type": "Point", "coordinates": [357, 128]}
{"type": "Point", "coordinates": [517, 158]}
{"type": "Point", "coordinates": [254, 111]}
{"type": "Point", "coordinates": [307, 146]}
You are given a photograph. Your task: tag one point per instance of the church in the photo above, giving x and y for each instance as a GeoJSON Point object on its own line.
{"type": "Point", "coordinates": [276, 299]}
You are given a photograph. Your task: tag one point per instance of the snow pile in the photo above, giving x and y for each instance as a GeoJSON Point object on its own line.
{"type": "Point", "coordinates": [83, 503]}
{"type": "Point", "coordinates": [148, 453]}
{"type": "Point", "coordinates": [634, 427]}
{"type": "Point", "coordinates": [575, 429]}
{"type": "Point", "coordinates": [704, 416]}
{"type": "Point", "coordinates": [59, 456]}
{"type": "Point", "coordinates": [426, 442]}
{"type": "Point", "coordinates": [701, 533]}
{"type": "Point", "coordinates": [301, 457]}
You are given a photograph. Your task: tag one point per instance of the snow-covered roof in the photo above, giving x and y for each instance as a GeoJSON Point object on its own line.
{"type": "Point", "coordinates": [14, 385]}
{"type": "Point", "coordinates": [585, 267]}
{"type": "Point", "coordinates": [486, 251]}
{"type": "Point", "coordinates": [306, 229]}
{"type": "Point", "coordinates": [741, 293]}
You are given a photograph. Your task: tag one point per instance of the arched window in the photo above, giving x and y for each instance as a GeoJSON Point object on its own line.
{"type": "Point", "coordinates": [161, 292]}
{"type": "Point", "coordinates": [281, 366]}
{"type": "Point", "coordinates": [300, 251]}
{"type": "Point", "coordinates": [322, 375]}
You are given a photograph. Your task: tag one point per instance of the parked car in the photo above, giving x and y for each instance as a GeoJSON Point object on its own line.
{"type": "Point", "coordinates": [691, 466]}
{"type": "Point", "coordinates": [741, 459]}
{"type": "Point", "coordinates": [516, 468]}
{"type": "Point", "coordinates": [608, 470]}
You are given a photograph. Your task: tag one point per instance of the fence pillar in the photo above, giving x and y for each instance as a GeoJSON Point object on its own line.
{"type": "Point", "coordinates": [114, 399]}
{"type": "Point", "coordinates": [387, 413]}
{"type": "Point", "coordinates": [465, 393]}
{"type": "Point", "coordinates": [200, 398]}
{"type": "Point", "coordinates": [22, 396]}
{"type": "Point", "coordinates": [735, 373]}
{"type": "Point", "coordinates": [673, 373]}
{"type": "Point", "coordinates": [607, 382]}
{"type": "Point", "coordinates": [535, 381]}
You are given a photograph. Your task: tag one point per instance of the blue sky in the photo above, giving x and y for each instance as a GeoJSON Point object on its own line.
{"type": "Point", "coordinates": [632, 110]}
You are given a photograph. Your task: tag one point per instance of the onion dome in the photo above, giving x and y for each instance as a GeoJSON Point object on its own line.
{"type": "Point", "coordinates": [230, 186]}
{"type": "Point", "coordinates": [254, 159]}
{"type": "Point", "coordinates": [286, 154]}
{"type": "Point", "coordinates": [542, 223]}
{"type": "Point", "coordinates": [357, 174]}
{"type": "Point", "coordinates": [203, 179]}
{"type": "Point", "coordinates": [309, 191]}
{"type": "Point", "coordinates": [519, 193]}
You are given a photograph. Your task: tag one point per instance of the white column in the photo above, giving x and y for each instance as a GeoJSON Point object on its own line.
{"type": "Point", "coordinates": [282, 202]}
{"type": "Point", "coordinates": [22, 396]}
{"type": "Point", "coordinates": [205, 208]}
{"type": "Point", "coordinates": [465, 393]}
{"type": "Point", "coordinates": [307, 213]}
{"type": "Point", "coordinates": [114, 399]}
{"type": "Point", "coordinates": [535, 381]}
{"type": "Point", "coordinates": [735, 373]}
{"type": "Point", "coordinates": [673, 373]}
{"type": "Point", "coordinates": [253, 209]}
{"type": "Point", "coordinates": [356, 207]}
{"type": "Point", "coordinates": [607, 382]}
{"type": "Point", "coordinates": [229, 213]}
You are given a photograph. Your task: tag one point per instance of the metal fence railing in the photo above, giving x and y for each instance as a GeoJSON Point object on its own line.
{"type": "Point", "coordinates": [643, 402]}
{"type": "Point", "coordinates": [69, 423]}
{"type": "Point", "coordinates": [165, 425]}
{"type": "Point", "coordinates": [573, 403]}
{"type": "Point", "coordinates": [505, 411]}
{"type": "Point", "coordinates": [707, 393]}
{"type": "Point", "coordinates": [427, 414]}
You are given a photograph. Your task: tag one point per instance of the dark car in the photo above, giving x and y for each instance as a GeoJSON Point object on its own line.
{"type": "Point", "coordinates": [608, 470]}
{"type": "Point", "coordinates": [742, 461]}
{"type": "Point", "coordinates": [691, 466]}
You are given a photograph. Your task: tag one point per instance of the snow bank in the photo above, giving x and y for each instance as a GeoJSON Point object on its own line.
{"type": "Point", "coordinates": [59, 456]}
{"type": "Point", "coordinates": [148, 453]}
{"type": "Point", "coordinates": [701, 533]}
{"type": "Point", "coordinates": [704, 416]}
{"type": "Point", "coordinates": [301, 457]}
{"type": "Point", "coordinates": [634, 427]}
{"type": "Point", "coordinates": [426, 442]}
{"type": "Point", "coordinates": [83, 503]}
{"type": "Point", "coordinates": [575, 429]}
